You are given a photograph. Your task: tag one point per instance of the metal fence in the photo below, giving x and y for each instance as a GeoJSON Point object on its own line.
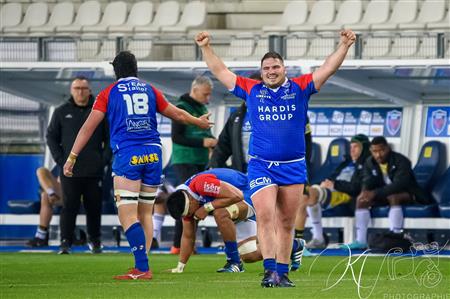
{"type": "Point", "coordinates": [238, 47]}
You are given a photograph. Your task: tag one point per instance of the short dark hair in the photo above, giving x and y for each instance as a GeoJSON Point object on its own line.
{"type": "Point", "coordinates": [273, 55]}
{"type": "Point", "coordinates": [80, 77]}
{"type": "Point", "coordinates": [379, 140]}
{"type": "Point", "coordinates": [125, 65]}
{"type": "Point", "coordinates": [175, 204]}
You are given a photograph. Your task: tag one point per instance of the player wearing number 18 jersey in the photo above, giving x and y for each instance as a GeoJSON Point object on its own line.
{"type": "Point", "coordinates": [131, 106]}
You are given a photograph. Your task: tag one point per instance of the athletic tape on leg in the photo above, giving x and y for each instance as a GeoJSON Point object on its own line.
{"type": "Point", "coordinates": [125, 197]}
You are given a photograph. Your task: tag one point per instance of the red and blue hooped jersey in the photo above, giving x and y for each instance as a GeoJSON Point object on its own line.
{"type": "Point", "coordinates": [205, 186]}
{"type": "Point", "coordinates": [131, 106]}
{"type": "Point", "coordinates": [278, 116]}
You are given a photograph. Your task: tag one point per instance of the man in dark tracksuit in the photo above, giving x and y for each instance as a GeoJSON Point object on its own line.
{"type": "Point", "coordinates": [86, 183]}
{"type": "Point", "coordinates": [388, 179]}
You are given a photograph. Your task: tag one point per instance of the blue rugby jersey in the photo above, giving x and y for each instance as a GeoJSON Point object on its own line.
{"type": "Point", "coordinates": [205, 186]}
{"type": "Point", "coordinates": [131, 106]}
{"type": "Point", "coordinates": [278, 118]}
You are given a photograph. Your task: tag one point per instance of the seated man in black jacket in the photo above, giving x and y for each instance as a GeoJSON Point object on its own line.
{"type": "Point", "coordinates": [387, 180]}
{"type": "Point", "coordinates": [341, 187]}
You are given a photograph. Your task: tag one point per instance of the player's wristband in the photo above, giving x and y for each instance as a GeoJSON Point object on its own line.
{"type": "Point", "coordinates": [208, 207]}
{"type": "Point", "coordinates": [72, 157]}
{"type": "Point", "coordinates": [179, 268]}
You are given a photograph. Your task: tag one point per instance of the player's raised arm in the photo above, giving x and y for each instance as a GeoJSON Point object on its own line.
{"type": "Point", "coordinates": [215, 64]}
{"type": "Point", "coordinates": [180, 115]}
{"type": "Point", "coordinates": [334, 61]}
{"type": "Point", "coordinates": [85, 133]}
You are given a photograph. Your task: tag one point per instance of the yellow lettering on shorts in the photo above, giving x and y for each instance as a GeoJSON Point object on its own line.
{"type": "Point", "coordinates": [144, 159]}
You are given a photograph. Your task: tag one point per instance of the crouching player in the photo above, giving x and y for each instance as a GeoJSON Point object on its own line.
{"type": "Point", "coordinates": [216, 191]}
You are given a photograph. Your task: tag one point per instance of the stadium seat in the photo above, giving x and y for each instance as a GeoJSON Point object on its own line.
{"type": "Point", "coordinates": [337, 151]}
{"type": "Point", "coordinates": [296, 46]}
{"type": "Point", "coordinates": [322, 46]}
{"type": "Point", "coordinates": [295, 13]}
{"type": "Point", "coordinates": [376, 46]}
{"type": "Point", "coordinates": [241, 46]}
{"type": "Point", "coordinates": [404, 46]}
{"type": "Point", "coordinates": [88, 14]}
{"type": "Point", "coordinates": [432, 159]}
{"type": "Point", "coordinates": [194, 16]}
{"type": "Point", "coordinates": [141, 46]}
{"type": "Point", "coordinates": [316, 159]}
{"type": "Point", "coordinates": [377, 12]}
{"type": "Point", "coordinates": [322, 13]}
{"type": "Point", "coordinates": [431, 11]}
{"type": "Point", "coordinates": [88, 48]}
{"type": "Point", "coordinates": [36, 15]}
{"type": "Point", "coordinates": [107, 50]}
{"type": "Point", "coordinates": [442, 25]}
{"type": "Point", "coordinates": [403, 12]}
{"type": "Point", "coordinates": [431, 164]}
{"type": "Point", "coordinates": [11, 15]}
{"type": "Point", "coordinates": [141, 15]}
{"type": "Point", "coordinates": [167, 15]}
{"type": "Point", "coordinates": [261, 48]}
{"type": "Point", "coordinates": [427, 46]}
{"type": "Point", "coordinates": [115, 14]}
{"type": "Point", "coordinates": [441, 193]}
{"type": "Point", "coordinates": [349, 13]}
{"type": "Point", "coordinates": [62, 15]}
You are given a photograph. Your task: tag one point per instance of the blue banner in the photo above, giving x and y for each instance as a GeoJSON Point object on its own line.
{"type": "Point", "coordinates": [347, 122]}
{"type": "Point", "coordinates": [438, 122]}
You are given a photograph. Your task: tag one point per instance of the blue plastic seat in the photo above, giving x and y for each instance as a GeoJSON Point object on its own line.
{"type": "Point", "coordinates": [441, 193]}
{"type": "Point", "coordinates": [337, 151]}
{"type": "Point", "coordinates": [316, 159]}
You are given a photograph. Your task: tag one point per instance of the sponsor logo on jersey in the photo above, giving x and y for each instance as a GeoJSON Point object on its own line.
{"type": "Point", "coordinates": [144, 159]}
{"type": "Point", "coordinates": [263, 94]}
{"type": "Point", "coordinates": [138, 124]}
{"type": "Point", "coordinates": [211, 188]}
{"type": "Point", "coordinates": [276, 113]}
{"type": "Point", "coordinates": [260, 181]}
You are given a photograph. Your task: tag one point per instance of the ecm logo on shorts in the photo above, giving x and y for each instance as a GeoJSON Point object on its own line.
{"type": "Point", "coordinates": [261, 181]}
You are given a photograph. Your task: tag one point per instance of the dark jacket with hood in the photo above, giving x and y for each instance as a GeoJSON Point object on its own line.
{"type": "Point", "coordinates": [64, 125]}
{"type": "Point", "coordinates": [352, 188]}
{"type": "Point", "coordinates": [401, 175]}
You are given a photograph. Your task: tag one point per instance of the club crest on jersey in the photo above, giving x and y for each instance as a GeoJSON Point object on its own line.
{"type": "Point", "coordinates": [438, 121]}
{"type": "Point", "coordinates": [260, 181]}
{"type": "Point", "coordinates": [393, 121]}
{"type": "Point", "coordinates": [211, 188]}
{"type": "Point", "coordinates": [144, 159]}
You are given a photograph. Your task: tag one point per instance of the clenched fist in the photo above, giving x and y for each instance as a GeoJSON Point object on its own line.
{"type": "Point", "coordinates": [348, 37]}
{"type": "Point", "coordinates": [202, 39]}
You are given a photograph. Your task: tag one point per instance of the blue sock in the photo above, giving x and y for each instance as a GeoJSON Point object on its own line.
{"type": "Point", "coordinates": [270, 264]}
{"type": "Point", "coordinates": [231, 250]}
{"type": "Point", "coordinates": [136, 238]}
{"type": "Point", "coordinates": [282, 268]}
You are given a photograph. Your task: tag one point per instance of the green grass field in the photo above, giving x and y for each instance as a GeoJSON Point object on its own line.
{"type": "Point", "coordinates": [42, 275]}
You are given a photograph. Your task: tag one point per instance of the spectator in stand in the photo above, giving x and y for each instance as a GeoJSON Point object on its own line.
{"type": "Point", "coordinates": [388, 179]}
{"type": "Point", "coordinates": [191, 145]}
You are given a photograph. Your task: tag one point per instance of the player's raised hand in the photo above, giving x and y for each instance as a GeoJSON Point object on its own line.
{"type": "Point", "coordinates": [204, 121]}
{"type": "Point", "coordinates": [348, 37]}
{"type": "Point", "coordinates": [202, 39]}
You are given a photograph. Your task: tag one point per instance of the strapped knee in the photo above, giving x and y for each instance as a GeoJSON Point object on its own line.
{"type": "Point", "coordinates": [233, 210]}
{"type": "Point", "coordinates": [147, 197]}
{"type": "Point", "coordinates": [248, 247]}
{"type": "Point", "coordinates": [125, 197]}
